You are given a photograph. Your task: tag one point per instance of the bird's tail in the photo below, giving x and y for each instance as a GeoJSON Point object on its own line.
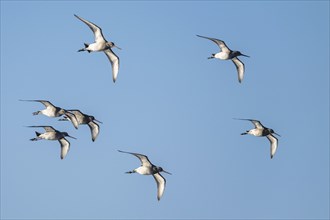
{"type": "Point", "coordinates": [84, 49]}
{"type": "Point", "coordinates": [36, 138]}
{"type": "Point", "coordinates": [211, 57]}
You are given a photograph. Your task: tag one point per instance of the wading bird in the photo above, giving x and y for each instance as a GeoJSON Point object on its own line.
{"type": "Point", "coordinates": [228, 54]}
{"type": "Point", "coordinates": [260, 131]}
{"type": "Point", "coordinates": [147, 168]}
{"type": "Point", "coordinates": [53, 135]}
{"type": "Point", "coordinates": [101, 44]}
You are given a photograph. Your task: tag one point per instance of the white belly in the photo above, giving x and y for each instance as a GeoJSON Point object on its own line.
{"type": "Point", "coordinates": [48, 112]}
{"type": "Point", "coordinates": [48, 136]}
{"type": "Point", "coordinates": [222, 56]}
{"type": "Point", "coordinates": [255, 132]}
{"type": "Point", "coordinates": [96, 47]}
{"type": "Point", "coordinates": [144, 170]}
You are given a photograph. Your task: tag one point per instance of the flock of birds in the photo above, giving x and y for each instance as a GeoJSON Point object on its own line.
{"type": "Point", "coordinates": [76, 117]}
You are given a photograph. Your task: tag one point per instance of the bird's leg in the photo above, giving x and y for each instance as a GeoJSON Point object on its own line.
{"type": "Point", "coordinates": [129, 172]}
{"type": "Point", "coordinates": [36, 113]}
{"type": "Point", "coordinates": [35, 139]}
{"type": "Point", "coordinates": [82, 49]}
{"type": "Point", "coordinates": [245, 133]}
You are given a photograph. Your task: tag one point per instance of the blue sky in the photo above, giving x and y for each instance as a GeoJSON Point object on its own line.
{"type": "Point", "coordinates": [171, 103]}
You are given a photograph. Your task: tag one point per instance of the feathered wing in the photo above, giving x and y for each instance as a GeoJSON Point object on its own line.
{"type": "Point", "coordinates": [46, 103]}
{"type": "Point", "coordinates": [96, 29]}
{"type": "Point", "coordinates": [47, 128]}
{"type": "Point", "coordinates": [114, 60]}
{"type": "Point", "coordinates": [95, 129]}
{"type": "Point", "coordinates": [78, 114]}
{"type": "Point", "coordinates": [65, 147]}
{"type": "Point", "coordinates": [273, 145]}
{"type": "Point", "coordinates": [256, 123]}
{"type": "Point", "coordinates": [143, 158]}
{"type": "Point", "coordinates": [72, 118]}
{"type": "Point", "coordinates": [221, 44]}
{"type": "Point", "coordinates": [240, 68]}
{"type": "Point", "coordinates": [161, 182]}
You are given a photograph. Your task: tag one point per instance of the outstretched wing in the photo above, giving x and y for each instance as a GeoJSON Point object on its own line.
{"type": "Point", "coordinates": [46, 127]}
{"type": "Point", "coordinates": [220, 43]}
{"type": "Point", "coordinates": [240, 68]}
{"type": "Point", "coordinates": [79, 116]}
{"type": "Point", "coordinates": [44, 102]}
{"type": "Point", "coordinates": [143, 158]}
{"type": "Point", "coordinates": [95, 129]}
{"type": "Point", "coordinates": [256, 123]}
{"type": "Point", "coordinates": [96, 29]}
{"type": "Point", "coordinates": [72, 118]}
{"type": "Point", "coordinates": [273, 144]}
{"type": "Point", "coordinates": [65, 147]}
{"type": "Point", "coordinates": [114, 60]}
{"type": "Point", "coordinates": [161, 182]}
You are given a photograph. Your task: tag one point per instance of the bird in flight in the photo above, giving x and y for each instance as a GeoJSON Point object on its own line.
{"type": "Point", "coordinates": [260, 131]}
{"type": "Point", "coordinates": [147, 168]}
{"type": "Point", "coordinates": [101, 44]}
{"type": "Point", "coordinates": [228, 54]}
{"type": "Point", "coordinates": [52, 134]}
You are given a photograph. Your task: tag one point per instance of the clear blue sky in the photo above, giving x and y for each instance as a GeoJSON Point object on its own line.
{"type": "Point", "coordinates": [171, 103]}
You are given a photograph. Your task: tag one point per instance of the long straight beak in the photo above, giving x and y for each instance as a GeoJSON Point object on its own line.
{"type": "Point", "coordinates": [167, 172]}
{"type": "Point", "coordinates": [72, 137]}
{"type": "Point", "coordinates": [245, 55]}
{"type": "Point", "coordinates": [98, 121]}
{"type": "Point", "coordinates": [277, 134]}
{"type": "Point", "coordinates": [117, 47]}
